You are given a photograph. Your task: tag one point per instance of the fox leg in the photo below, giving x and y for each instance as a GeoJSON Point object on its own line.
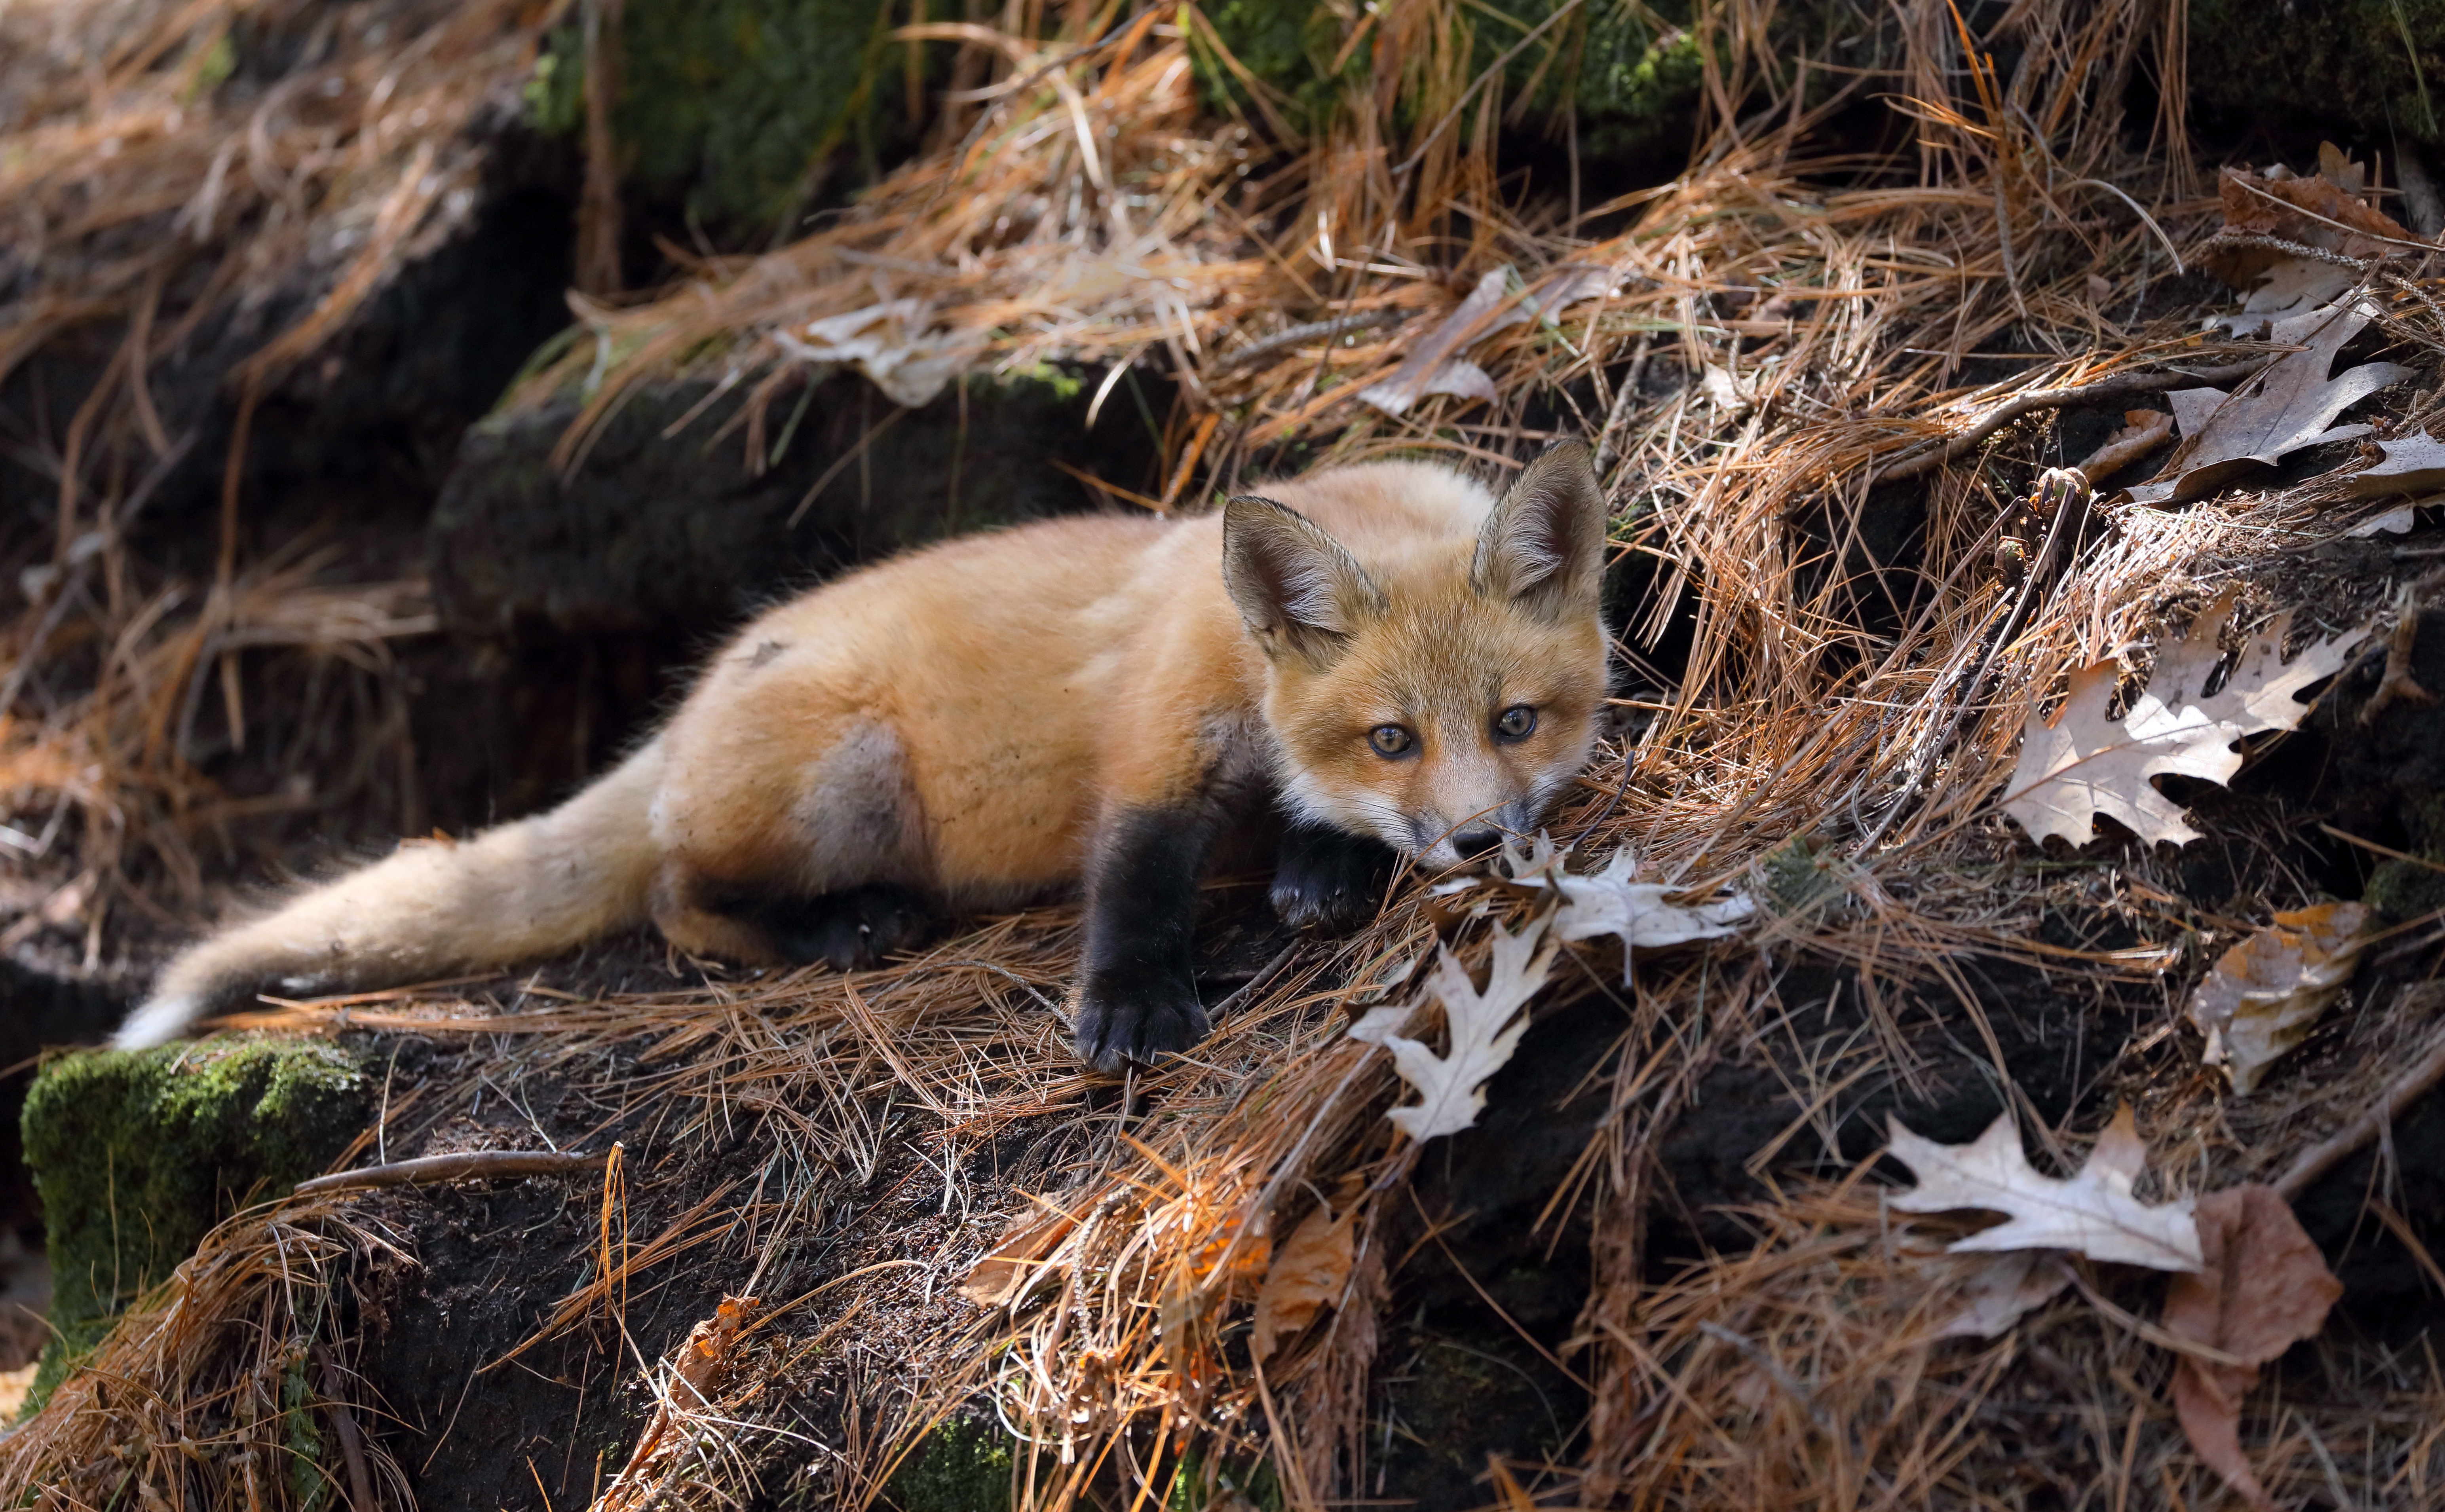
{"type": "Point", "coordinates": [1327, 877]}
{"type": "Point", "coordinates": [1136, 998]}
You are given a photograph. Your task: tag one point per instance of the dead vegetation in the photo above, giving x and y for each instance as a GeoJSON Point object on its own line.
{"type": "Point", "coordinates": [1769, 347]}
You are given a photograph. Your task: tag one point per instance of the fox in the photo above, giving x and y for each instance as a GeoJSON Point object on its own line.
{"type": "Point", "coordinates": [1397, 661]}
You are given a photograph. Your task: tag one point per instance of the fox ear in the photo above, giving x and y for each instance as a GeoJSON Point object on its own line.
{"type": "Point", "coordinates": [1545, 542]}
{"type": "Point", "coordinates": [1296, 586]}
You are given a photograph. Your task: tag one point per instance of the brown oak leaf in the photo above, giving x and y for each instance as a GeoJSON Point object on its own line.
{"type": "Point", "coordinates": [1308, 1273]}
{"type": "Point", "coordinates": [2265, 1288]}
{"type": "Point", "coordinates": [2289, 405]}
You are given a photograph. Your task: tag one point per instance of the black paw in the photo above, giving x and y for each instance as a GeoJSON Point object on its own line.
{"type": "Point", "coordinates": [852, 930]}
{"type": "Point", "coordinates": [1124, 1014]}
{"type": "Point", "coordinates": [1327, 878]}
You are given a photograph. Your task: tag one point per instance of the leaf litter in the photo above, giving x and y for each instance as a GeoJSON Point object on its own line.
{"type": "Point", "coordinates": [2263, 1287]}
{"type": "Point", "coordinates": [1484, 1028]}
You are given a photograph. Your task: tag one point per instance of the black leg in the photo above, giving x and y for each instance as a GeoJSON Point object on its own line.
{"type": "Point", "coordinates": [848, 930]}
{"type": "Point", "coordinates": [1329, 877]}
{"type": "Point", "coordinates": [1137, 998]}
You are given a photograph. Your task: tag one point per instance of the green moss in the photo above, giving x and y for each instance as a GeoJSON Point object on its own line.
{"type": "Point", "coordinates": [1630, 74]}
{"type": "Point", "coordinates": [2400, 890]}
{"type": "Point", "coordinates": [1203, 1484]}
{"type": "Point", "coordinates": [962, 1466]}
{"type": "Point", "coordinates": [733, 106]}
{"type": "Point", "coordinates": [137, 1154]}
{"type": "Point", "coordinates": [2375, 64]}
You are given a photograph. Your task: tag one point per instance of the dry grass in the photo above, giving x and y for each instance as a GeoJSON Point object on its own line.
{"type": "Point", "coordinates": [214, 185]}
{"type": "Point", "coordinates": [1818, 333]}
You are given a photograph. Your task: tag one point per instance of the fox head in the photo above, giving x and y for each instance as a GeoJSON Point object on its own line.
{"type": "Point", "coordinates": [1442, 700]}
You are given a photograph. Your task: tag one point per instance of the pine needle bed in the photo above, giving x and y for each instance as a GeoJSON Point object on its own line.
{"type": "Point", "coordinates": [1775, 345]}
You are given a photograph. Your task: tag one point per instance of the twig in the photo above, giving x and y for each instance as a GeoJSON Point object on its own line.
{"type": "Point", "coordinates": [2415, 1083]}
{"type": "Point", "coordinates": [2319, 255]}
{"type": "Point", "coordinates": [1630, 383]}
{"type": "Point", "coordinates": [2125, 448]}
{"type": "Point", "coordinates": [2071, 512]}
{"type": "Point", "coordinates": [2121, 385]}
{"type": "Point", "coordinates": [344, 1427]}
{"type": "Point", "coordinates": [1299, 335]}
{"type": "Point", "coordinates": [473, 1165]}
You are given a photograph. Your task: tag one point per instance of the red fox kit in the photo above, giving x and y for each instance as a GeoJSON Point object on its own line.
{"type": "Point", "coordinates": [1401, 663]}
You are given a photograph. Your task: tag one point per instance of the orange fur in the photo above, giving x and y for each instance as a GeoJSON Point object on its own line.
{"type": "Point", "coordinates": [961, 720]}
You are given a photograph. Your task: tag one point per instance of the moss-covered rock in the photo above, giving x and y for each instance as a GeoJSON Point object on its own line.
{"type": "Point", "coordinates": [2376, 65]}
{"type": "Point", "coordinates": [963, 1466]}
{"type": "Point", "coordinates": [733, 106]}
{"type": "Point", "coordinates": [138, 1153]}
{"type": "Point", "coordinates": [2403, 890]}
{"type": "Point", "coordinates": [653, 535]}
{"type": "Point", "coordinates": [1630, 74]}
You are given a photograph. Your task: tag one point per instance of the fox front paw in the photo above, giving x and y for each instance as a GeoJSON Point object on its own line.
{"type": "Point", "coordinates": [1135, 1016]}
{"type": "Point", "coordinates": [1327, 878]}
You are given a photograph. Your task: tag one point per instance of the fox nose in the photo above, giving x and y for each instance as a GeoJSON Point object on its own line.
{"type": "Point", "coordinates": [1472, 844]}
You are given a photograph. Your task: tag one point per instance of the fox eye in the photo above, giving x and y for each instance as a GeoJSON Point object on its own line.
{"type": "Point", "coordinates": [1516, 722]}
{"type": "Point", "coordinates": [1390, 740]}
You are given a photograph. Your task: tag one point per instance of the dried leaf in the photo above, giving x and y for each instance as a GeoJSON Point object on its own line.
{"type": "Point", "coordinates": [1415, 378]}
{"type": "Point", "coordinates": [2081, 764]}
{"type": "Point", "coordinates": [2264, 993]}
{"type": "Point", "coordinates": [2325, 211]}
{"type": "Point", "coordinates": [1450, 1099]}
{"type": "Point", "coordinates": [1435, 364]}
{"type": "Point", "coordinates": [1610, 904]}
{"type": "Point", "coordinates": [889, 344]}
{"type": "Point", "coordinates": [1997, 1291]}
{"type": "Point", "coordinates": [2412, 464]}
{"type": "Point", "coordinates": [705, 1356]}
{"type": "Point", "coordinates": [2262, 1288]}
{"type": "Point", "coordinates": [1308, 1275]}
{"type": "Point", "coordinates": [2093, 1213]}
{"type": "Point", "coordinates": [1002, 1277]}
{"type": "Point", "coordinates": [2289, 405]}
{"type": "Point", "coordinates": [2400, 520]}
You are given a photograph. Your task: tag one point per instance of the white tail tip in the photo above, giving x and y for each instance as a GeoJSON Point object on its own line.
{"type": "Point", "coordinates": [158, 1021]}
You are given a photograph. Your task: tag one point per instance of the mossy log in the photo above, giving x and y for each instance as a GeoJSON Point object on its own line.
{"type": "Point", "coordinates": [137, 1155]}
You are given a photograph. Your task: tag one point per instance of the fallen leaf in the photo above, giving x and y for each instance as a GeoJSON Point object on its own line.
{"type": "Point", "coordinates": [2411, 465]}
{"type": "Point", "coordinates": [2092, 1213]}
{"type": "Point", "coordinates": [2400, 520]}
{"type": "Point", "coordinates": [2263, 1286]}
{"type": "Point", "coordinates": [1308, 1275]}
{"type": "Point", "coordinates": [1450, 1099]}
{"type": "Point", "coordinates": [2081, 764]}
{"type": "Point", "coordinates": [1997, 1291]}
{"type": "Point", "coordinates": [1608, 903]}
{"type": "Point", "coordinates": [2289, 405]}
{"type": "Point", "coordinates": [696, 1373]}
{"type": "Point", "coordinates": [890, 344]}
{"type": "Point", "coordinates": [705, 1357]}
{"type": "Point", "coordinates": [1435, 364]}
{"type": "Point", "coordinates": [2263, 993]}
{"type": "Point", "coordinates": [2325, 211]}
{"type": "Point", "coordinates": [1002, 1277]}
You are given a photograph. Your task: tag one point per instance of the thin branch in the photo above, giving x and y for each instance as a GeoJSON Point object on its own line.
{"type": "Point", "coordinates": [2121, 385]}
{"type": "Point", "coordinates": [473, 1165]}
{"type": "Point", "coordinates": [2415, 1083]}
